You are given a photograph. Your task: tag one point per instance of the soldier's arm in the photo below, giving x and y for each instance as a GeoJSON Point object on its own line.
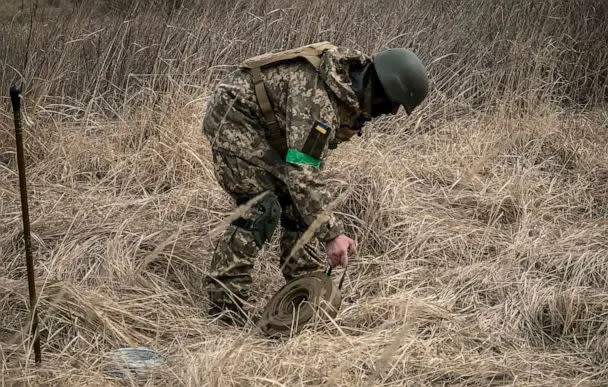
{"type": "Point", "coordinates": [308, 105]}
{"type": "Point", "coordinates": [311, 195]}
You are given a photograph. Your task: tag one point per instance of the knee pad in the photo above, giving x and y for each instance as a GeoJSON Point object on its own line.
{"type": "Point", "coordinates": [263, 224]}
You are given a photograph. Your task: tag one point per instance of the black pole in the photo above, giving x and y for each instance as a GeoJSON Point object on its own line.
{"type": "Point", "coordinates": [16, 101]}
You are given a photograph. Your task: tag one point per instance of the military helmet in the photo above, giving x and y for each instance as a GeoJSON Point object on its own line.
{"type": "Point", "coordinates": [402, 76]}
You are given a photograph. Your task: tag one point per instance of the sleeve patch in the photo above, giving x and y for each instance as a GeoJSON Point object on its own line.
{"type": "Point", "coordinates": [316, 140]}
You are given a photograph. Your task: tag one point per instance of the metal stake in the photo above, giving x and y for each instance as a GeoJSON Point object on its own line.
{"type": "Point", "coordinates": [16, 101]}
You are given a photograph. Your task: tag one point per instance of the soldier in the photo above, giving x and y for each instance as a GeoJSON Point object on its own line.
{"type": "Point", "coordinates": [270, 124]}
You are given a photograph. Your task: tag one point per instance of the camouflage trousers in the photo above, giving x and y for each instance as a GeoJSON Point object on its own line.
{"type": "Point", "coordinates": [229, 278]}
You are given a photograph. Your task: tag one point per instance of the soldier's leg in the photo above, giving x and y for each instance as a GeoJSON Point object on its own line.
{"type": "Point", "coordinates": [229, 279]}
{"type": "Point", "coordinates": [230, 272]}
{"type": "Point", "coordinates": [305, 260]}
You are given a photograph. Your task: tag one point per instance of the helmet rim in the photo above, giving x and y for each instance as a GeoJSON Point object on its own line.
{"type": "Point", "coordinates": [402, 76]}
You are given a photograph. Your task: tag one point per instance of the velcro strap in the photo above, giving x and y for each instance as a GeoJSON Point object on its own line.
{"type": "Point", "coordinates": [245, 224]}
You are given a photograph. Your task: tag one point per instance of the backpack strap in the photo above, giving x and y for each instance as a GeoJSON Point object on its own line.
{"type": "Point", "coordinates": [276, 138]}
{"type": "Point", "coordinates": [312, 53]}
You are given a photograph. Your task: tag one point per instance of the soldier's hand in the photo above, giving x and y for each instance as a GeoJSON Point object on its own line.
{"type": "Point", "coordinates": [338, 250]}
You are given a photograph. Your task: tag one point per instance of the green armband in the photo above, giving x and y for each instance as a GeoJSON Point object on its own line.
{"type": "Point", "coordinates": [313, 147]}
{"type": "Point", "coordinates": [294, 156]}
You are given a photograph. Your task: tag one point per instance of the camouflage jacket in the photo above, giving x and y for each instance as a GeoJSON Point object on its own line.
{"type": "Point", "coordinates": [299, 95]}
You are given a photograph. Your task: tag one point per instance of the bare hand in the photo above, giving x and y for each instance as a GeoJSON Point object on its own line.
{"type": "Point", "coordinates": [338, 250]}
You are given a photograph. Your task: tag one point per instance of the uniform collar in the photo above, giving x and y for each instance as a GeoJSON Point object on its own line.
{"type": "Point", "coordinates": [334, 70]}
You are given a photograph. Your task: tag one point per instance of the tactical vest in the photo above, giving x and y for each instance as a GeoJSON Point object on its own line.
{"type": "Point", "coordinates": [312, 53]}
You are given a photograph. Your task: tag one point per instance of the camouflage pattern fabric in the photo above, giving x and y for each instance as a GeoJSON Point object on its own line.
{"type": "Point", "coordinates": [246, 165]}
{"type": "Point", "coordinates": [235, 252]}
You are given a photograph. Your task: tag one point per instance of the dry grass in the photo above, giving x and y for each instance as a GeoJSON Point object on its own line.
{"type": "Point", "coordinates": [481, 219]}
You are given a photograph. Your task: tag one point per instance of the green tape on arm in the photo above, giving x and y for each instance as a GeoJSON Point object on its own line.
{"type": "Point", "coordinates": [294, 156]}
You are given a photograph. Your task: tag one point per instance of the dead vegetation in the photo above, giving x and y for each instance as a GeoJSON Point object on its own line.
{"type": "Point", "coordinates": [481, 219]}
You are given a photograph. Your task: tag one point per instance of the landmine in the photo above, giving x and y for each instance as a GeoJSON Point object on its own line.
{"type": "Point", "coordinates": [302, 301]}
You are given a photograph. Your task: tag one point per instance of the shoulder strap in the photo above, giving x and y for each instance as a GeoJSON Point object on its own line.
{"type": "Point", "coordinates": [312, 53]}
{"type": "Point", "coordinates": [277, 140]}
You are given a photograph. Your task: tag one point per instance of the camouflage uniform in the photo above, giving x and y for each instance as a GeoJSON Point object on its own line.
{"type": "Point", "coordinates": [246, 165]}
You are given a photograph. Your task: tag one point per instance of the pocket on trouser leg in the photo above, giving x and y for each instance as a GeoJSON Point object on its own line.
{"type": "Point", "coordinates": [232, 262]}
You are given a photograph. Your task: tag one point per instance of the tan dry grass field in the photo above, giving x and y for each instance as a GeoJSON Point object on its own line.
{"type": "Point", "coordinates": [481, 219]}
